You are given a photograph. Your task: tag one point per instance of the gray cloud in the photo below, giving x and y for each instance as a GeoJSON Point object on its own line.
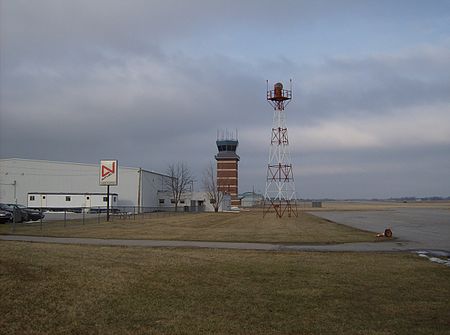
{"type": "Point", "coordinates": [376, 85]}
{"type": "Point", "coordinates": [81, 81]}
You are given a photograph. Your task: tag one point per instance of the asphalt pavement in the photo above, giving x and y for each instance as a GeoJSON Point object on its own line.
{"type": "Point", "coordinates": [415, 228]}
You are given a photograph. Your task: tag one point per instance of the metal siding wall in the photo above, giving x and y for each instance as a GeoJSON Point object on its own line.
{"type": "Point", "coordinates": [43, 176]}
{"type": "Point", "coordinates": [127, 187]}
{"type": "Point", "coordinates": [151, 184]}
{"type": "Point", "coordinates": [149, 189]}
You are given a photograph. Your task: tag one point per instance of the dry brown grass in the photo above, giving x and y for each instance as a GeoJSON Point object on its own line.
{"type": "Point", "coordinates": [248, 226]}
{"type": "Point", "coordinates": [64, 289]}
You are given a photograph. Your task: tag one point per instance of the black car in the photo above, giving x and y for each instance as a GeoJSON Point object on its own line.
{"type": "Point", "coordinates": [5, 216]}
{"type": "Point", "coordinates": [30, 214]}
{"type": "Point", "coordinates": [21, 213]}
{"type": "Point", "coordinates": [17, 215]}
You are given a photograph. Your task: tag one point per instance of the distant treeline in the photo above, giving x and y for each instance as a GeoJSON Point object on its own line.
{"type": "Point", "coordinates": [434, 198]}
{"type": "Point", "coordinates": [419, 199]}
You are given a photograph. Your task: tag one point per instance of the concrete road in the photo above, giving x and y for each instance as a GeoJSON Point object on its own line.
{"type": "Point", "coordinates": [413, 227]}
{"type": "Point", "coordinates": [390, 246]}
{"type": "Point", "coordinates": [358, 247]}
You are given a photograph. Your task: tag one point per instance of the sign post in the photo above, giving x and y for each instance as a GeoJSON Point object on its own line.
{"type": "Point", "coordinates": [107, 203]}
{"type": "Point", "coordinates": [109, 172]}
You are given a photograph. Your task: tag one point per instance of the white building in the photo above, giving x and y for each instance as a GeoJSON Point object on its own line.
{"type": "Point", "coordinates": [73, 201]}
{"type": "Point", "coordinates": [19, 177]}
{"type": "Point", "coordinates": [192, 201]}
{"type": "Point", "coordinates": [251, 199]}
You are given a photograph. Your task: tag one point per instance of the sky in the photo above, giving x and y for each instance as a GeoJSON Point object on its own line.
{"type": "Point", "coordinates": [150, 83]}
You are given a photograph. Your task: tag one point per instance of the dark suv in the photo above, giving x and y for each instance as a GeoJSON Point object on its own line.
{"type": "Point", "coordinates": [32, 214]}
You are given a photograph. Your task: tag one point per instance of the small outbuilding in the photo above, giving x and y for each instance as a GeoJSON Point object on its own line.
{"type": "Point", "coordinates": [251, 199]}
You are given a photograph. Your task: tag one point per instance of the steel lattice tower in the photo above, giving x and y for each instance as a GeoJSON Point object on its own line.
{"type": "Point", "coordinates": [280, 188]}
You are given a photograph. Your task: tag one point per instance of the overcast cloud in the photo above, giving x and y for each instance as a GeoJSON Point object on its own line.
{"type": "Point", "coordinates": [150, 82]}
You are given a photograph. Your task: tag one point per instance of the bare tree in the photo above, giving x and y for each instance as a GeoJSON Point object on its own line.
{"type": "Point", "coordinates": [179, 181]}
{"type": "Point", "coordinates": [211, 187]}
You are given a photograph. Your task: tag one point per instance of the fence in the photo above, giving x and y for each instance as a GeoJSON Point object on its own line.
{"type": "Point", "coordinates": [89, 215]}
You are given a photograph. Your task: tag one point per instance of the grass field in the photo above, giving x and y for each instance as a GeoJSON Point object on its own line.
{"type": "Point", "coordinates": [111, 290]}
{"type": "Point", "coordinates": [243, 227]}
{"type": "Point", "coordinates": [116, 290]}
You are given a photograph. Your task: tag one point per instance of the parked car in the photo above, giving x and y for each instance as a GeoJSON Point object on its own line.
{"type": "Point", "coordinates": [30, 214]}
{"type": "Point", "coordinates": [18, 215]}
{"type": "Point", "coordinates": [21, 213]}
{"type": "Point", "coordinates": [5, 216]}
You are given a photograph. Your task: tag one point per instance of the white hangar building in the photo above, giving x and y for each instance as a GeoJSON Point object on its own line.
{"type": "Point", "coordinates": [20, 177]}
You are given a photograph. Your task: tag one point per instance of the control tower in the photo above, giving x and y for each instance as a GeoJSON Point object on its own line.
{"type": "Point", "coordinates": [227, 165]}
